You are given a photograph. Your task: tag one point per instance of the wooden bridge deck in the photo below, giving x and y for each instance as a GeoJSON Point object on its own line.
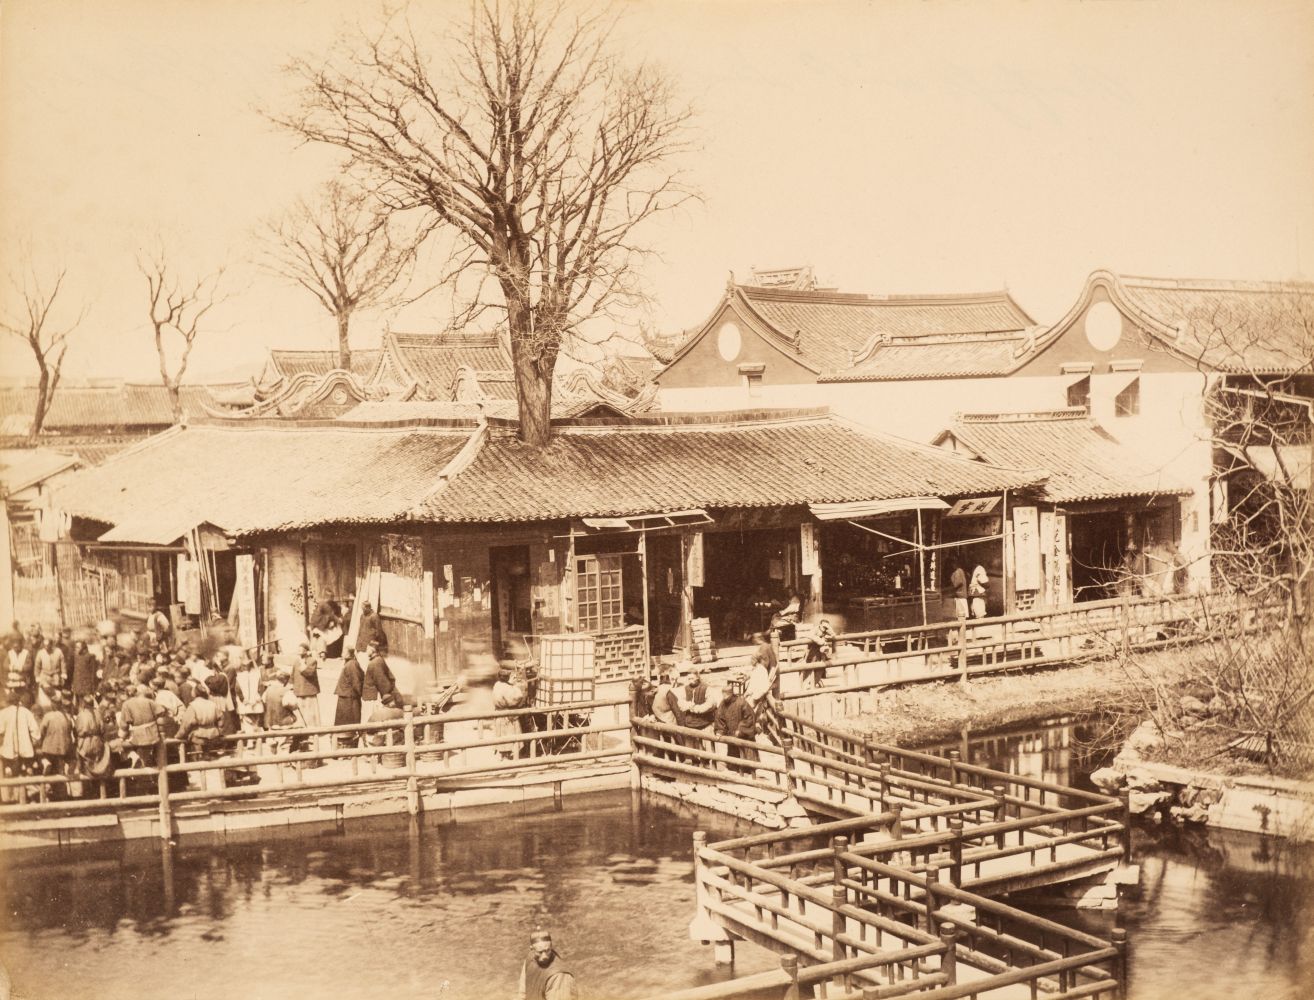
{"type": "Point", "coordinates": [895, 892]}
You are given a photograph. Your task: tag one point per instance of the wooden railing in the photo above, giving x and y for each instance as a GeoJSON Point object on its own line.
{"type": "Point", "coordinates": [410, 749]}
{"type": "Point", "coordinates": [862, 927]}
{"type": "Point", "coordinates": [1099, 629]}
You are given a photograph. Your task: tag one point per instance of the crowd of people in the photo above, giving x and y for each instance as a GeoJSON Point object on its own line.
{"type": "Point", "coordinates": [739, 710]}
{"type": "Point", "coordinates": [82, 708]}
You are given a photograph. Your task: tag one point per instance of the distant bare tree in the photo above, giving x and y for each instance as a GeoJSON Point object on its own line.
{"type": "Point", "coordinates": [31, 321]}
{"type": "Point", "coordinates": [344, 249]}
{"type": "Point", "coordinates": [522, 137]}
{"type": "Point", "coordinates": [177, 307]}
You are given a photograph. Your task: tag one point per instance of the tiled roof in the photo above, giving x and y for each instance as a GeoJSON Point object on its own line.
{"type": "Point", "coordinates": [245, 478]}
{"type": "Point", "coordinates": [1084, 461]}
{"type": "Point", "coordinates": [673, 463]}
{"type": "Point", "coordinates": [433, 360]}
{"type": "Point", "coordinates": [291, 363]}
{"type": "Point", "coordinates": [933, 357]}
{"type": "Point", "coordinates": [1235, 326]}
{"type": "Point", "coordinates": [120, 405]}
{"type": "Point", "coordinates": [826, 328]}
{"type": "Point", "coordinates": [258, 477]}
{"type": "Point", "coordinates": [24, 467]}
{"type": "Point", "coordinates": [394, 411]}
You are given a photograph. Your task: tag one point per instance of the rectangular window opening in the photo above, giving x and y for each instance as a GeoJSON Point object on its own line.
{"type": "Point", "coordinates": [1128, 402]}
{"type": "Point", "coordinates": [1079, 393]}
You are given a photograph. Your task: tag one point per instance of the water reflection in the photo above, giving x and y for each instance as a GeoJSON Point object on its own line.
{"type": "Point", "coordinates": [387, 909]}
{"type": "Point", "coordinates": [391, 909]}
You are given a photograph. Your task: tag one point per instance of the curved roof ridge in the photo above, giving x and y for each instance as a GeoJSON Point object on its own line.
{"type": "Point", "coordinates": [868, 298]}
{"type": "Point", "coordinates": [1216, 284]}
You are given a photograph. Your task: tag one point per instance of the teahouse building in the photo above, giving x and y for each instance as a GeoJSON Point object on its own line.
{"type": "Point", "coordinates": [624, 528]}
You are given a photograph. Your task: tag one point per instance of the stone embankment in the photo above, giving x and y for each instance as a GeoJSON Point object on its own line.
{"type": "Point", "coordinates": [1159, 791]}
{"type": "Point", "coordinates": [768, 809]}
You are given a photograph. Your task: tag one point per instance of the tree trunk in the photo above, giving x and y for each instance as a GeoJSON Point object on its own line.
{"type": "Point", "coordinates": [534, 395]}
{"type": "Point", "coordinates": [43, 395]}
{"type": "Point", "coordinates": [175, 401]}
{"type": "Point", "coordinates": [533, 364]}
{"type": "Point", "coordinates": [344, 342]}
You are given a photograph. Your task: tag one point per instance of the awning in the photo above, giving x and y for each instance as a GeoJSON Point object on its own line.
{"type": "Point", "coordinates": [649, 522]}
{"type": "Point", "coordinates": [856, 509]}
{"type": "Point", "coordinates": [152, 530]}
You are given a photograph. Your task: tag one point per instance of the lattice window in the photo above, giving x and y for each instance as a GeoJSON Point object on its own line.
{"type": "Point", "coordinates": [598, 593]}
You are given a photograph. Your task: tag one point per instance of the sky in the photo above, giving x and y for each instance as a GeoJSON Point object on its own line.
{"type": "Point", "coordinates": [896, 147]}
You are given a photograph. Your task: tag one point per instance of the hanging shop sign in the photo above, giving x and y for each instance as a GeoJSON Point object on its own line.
{"type": "Point", "coordinates": [246, 601]}
{"type": "Point", "coordinates": [808, 555]}
{"type": "Point", "coordinates": [696, 559]}
{"type": "Point", "coordinates": [973, 507]}
{"type": "Point", "coordinates": [1026, 549]}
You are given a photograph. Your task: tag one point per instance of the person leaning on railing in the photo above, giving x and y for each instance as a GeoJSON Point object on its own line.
{"type": "Point", "coordinates": [735, 717]}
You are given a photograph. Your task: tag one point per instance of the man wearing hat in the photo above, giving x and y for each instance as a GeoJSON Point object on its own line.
{"type": "Point", "coordinates": [735, 717]}
{"type": "Point", "coordinates": [694, 701]}
{"type": "Point", "coordinates": [544, 976]}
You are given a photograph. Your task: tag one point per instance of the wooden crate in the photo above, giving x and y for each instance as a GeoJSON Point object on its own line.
{"type": "Point", "coordinates": [565, 656]}
{"type": "Point", "coordinates": [561, 690]}
{"type": "Point", "coordinates": [702, 650]}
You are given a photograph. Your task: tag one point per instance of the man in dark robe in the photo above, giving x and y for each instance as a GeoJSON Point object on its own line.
{"type": "Point", "coordinates": [544, 975]}
{"type": "Point", "coordinates": [328, 619]}
{"type": "Point", "coordinates": [379, 681]}
{"type": "Point", "coordinates": [735, 717]}
{"type": "Point", "coordinates": [351, 682]}
{"type": "Point", "coordinates": [371, 628]}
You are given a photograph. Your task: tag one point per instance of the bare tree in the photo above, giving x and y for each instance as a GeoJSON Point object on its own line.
{"type": "Point", "coordinates": [524, 139]}
{"type": "Point", "coordinates": [344, 249]}
{"type": "Point", "coordinates": [177, 307]}
{"type": "Point", "coordinates": [48, 342]}
{"type": "Point", "coordinates": [1249, 684]}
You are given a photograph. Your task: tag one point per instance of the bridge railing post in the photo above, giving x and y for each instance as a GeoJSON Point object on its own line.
{"type": "Point", "coordinates": [789, 964]}
{"type": "Point", "coordinates": [1119, 938]}
{"type": "Point", "coordinates": [956, 851]}
{"type": "Point", "coordinates": [954, 758]}
{"type": "Point", "coordinates": [1001, 811]}
{"type": "Point", "coordinates": [949, 961]}
{"type": "Point", "coordinates": [839, 846]}
{"type": "Point", "coordinates": [162, 786]}
{"type": "Point", "coordinates": [932, 880]}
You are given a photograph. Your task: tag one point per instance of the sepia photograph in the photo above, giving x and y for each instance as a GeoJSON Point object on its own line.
{"type": "Point", "coordinates": [656, 499]}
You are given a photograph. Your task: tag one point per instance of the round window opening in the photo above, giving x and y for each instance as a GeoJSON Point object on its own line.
{"type": "Point", "coordinates": [728, 341]}
{"type": "Point", "coordinates": [1103, 326]}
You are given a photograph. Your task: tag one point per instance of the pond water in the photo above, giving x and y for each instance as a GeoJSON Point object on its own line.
{"type": "Point", "coordinates": [391, 909]}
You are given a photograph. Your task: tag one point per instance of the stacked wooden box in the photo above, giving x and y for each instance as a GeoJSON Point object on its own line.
{"type": "Point", "coordinates": [703, 651]}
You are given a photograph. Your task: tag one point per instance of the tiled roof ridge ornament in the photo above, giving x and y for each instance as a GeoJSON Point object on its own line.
{"type": "Point", "coordinates": [465, 386]}
{"type": "Point", "coordinates": [1027, 343]}
{"type": "Point", "coordinates": [874, 343]}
